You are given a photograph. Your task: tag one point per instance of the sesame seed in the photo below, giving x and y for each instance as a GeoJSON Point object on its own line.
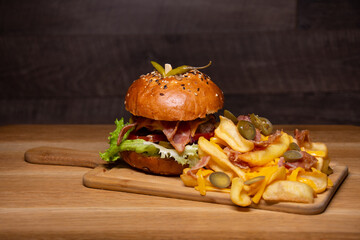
{"type": "Point", "coordinates": [195, 94]}
{"type": "Point", "coordinates": [161, 94]}
{"type": "Point", "coordinates": [165, 87]}
{"type": "Point", "coordinates": [184, 88]}
{"type": "Point", "coordinates": [198, 89]}
{"type": "Point", "coordinates": [216, 95]}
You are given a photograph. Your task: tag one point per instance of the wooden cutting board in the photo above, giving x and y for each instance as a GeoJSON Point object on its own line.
{"type": "Point", "coordinates": [123, 178]}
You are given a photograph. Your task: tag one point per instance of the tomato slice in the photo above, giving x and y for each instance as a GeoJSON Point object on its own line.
{"type": "Point", "coordinates": [205, 135]}
{"type": "Point", "coordinates": [162, 137]}
{"type": "Point", "coordinates": [149, 137]}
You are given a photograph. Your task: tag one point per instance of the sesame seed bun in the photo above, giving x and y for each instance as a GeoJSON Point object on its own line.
{"type": "Point", "coordinates": [182, 97]}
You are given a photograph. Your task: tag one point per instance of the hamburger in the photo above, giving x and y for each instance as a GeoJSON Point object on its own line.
{"type": "Point", "coordinates": [171, 109]}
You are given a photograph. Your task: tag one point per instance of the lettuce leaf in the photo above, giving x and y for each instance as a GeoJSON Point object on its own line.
{"type": "Point", "coordinates": [112, 153]}
{"type": "Point", "coordinates": [189, 156]}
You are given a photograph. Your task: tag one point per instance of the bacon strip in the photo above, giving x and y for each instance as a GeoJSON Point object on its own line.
{"type": "Point", "coordinates": [178, 133]}
{"type": "Point", "coordinates": [181, 137]}
{"type": "Point", "coordinates": [272, 138]}
{"type": "Point", "coordinates": [302, 137]}
{"type": "Point", "coordinates": [306, 162]}
{"type": "Point", "coordinates": [169, 129]}
{"type": "Point", "coordinates": [123, 131]}
{"type": "Point", "coordinates": [244, 117]}
{"type": "Point", "coordinates": [233, 158]}
{"type": "Point", "coordinates": [202, 163]}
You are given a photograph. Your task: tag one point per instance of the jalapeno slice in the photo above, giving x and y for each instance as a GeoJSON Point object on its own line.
{"type": "Point", "coordinates": [246, 129]}
{"type": "Point", "coordinates": [230, 116]}
{"type": "Point", "coordinates": [159, 68]}
{"type": "Point", "coordinates": [294, 146]}
{"type": "Point", "coordinates": [184, 68]}
{"type": "Point", "coordinates": [292, 155]}
{"type": "Point", "coordinates": [263, 124]}
{"type": "Point", "coordinates": [254, 180]}
{"type": "Point", "coordinates": [219, 179]}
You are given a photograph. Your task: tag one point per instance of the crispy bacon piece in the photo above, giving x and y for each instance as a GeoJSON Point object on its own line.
{"type": "Point", "coordinates": [257, 140]}
{"type": "Point", "coordinates": [307, 162]}
{"type": "Point", "coordinates": [272, 138]}
{"type": "Point", "coordinates": [302, 137]}
{"type": "Point", "coordinates": [123, 131]}
{"type": "Point", "coordinates": [178, 133]}
{"type": "Point", "coordinates": [169, 129]}
{"type": "Point", "coordinates": [202, 163]}
{"type": "Point", "coordinates": [244, 117]}
{"type": "Point", "coordinates": [181, 137]}
{"type": "Point", "coordinates": [233, 158]}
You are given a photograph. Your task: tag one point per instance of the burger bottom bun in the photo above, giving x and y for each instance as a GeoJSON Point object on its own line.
{"type": "Point", "coordinates": [151, 164]}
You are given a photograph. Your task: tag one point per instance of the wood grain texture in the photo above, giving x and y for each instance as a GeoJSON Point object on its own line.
{"type": "Point", "coordinates": [328, 14]}
{"type": "Point", "coordinates": [286, 68]}
{"type": "Point", "coordinates": [123, 178]}
{"type": "Point", "coordinates": [63, 156]}
{"type": "Point", "coordinates": [72, 61]}
{"type": "Point", "coordinates": [44, 201]}
{"type": "Point", "coordinates": [143, 17]}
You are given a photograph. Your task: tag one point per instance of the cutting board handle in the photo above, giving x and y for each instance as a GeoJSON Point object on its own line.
{"type": "Point", "coordinates": [63, 156]}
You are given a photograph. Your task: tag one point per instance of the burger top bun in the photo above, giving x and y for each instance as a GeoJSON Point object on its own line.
{"type": "Point", "coordinates": [183, 97]}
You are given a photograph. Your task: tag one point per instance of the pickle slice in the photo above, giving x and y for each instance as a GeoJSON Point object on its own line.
{"type": "Point", "coordinates": [261, 123]}
{"type": "Point", "coordinates": [292, 155]}
{"type": "Point", "coordinates": [254, 180]}
{"type": "Point", "coordinates": [219, 179]}
{"type": "Point", "coordinates": [294, 146]}
{"type": "Point", "coordinates": [246, 129]}
{"type": "Point", "coordinates": [230, 116]}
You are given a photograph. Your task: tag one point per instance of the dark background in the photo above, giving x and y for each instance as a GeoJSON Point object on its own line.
{"type": "Point", "coordinates": [71, 61]}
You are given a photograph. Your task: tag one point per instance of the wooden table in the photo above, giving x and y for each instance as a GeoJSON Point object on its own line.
{"type": "Point", "coordinates": [43, 201]}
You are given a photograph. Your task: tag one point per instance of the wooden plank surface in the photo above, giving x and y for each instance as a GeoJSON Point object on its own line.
{"type": "Point", "coordinates": [121, 177]}
{"type": "Point", "coordinates": [125, 179]}
{"type": "Point", "coordinates": [76, 17]}
{"type": "Point", "coordinates": [44, 201]}
{"type": "Point", "coordinates": [291, 69]}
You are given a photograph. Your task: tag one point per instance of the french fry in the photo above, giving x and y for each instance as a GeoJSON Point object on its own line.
{"type": "Point", "coordinates": [237, 195]}
{"type": "Point", "coordinates": [273, 183]}
{"type": "Point", "coordinates": [214, 166]}
{"type": "Point", "coordinates": [320, 163]}
{"type": "Point", "coordinates": [189, 181]}
{"type": "Point", "coordinates": [268, 172]}
{"type": "Point", "coordinates": [218, 156]}
{"type": "Point", "coordinates": [218, 141]}
{"type": "Point", "coordinates": [280, 174]}
{"type": "Point", "coordinates": [315, 179]}
{"type": "Point", "coordinates": [289, 191]}
{"type": "Point", "coordinates": [227, 131]}
{"type": "Point", "coordinates": [262, 157]}
{"type": "Point", "coordinates": [325, 166]}
{"type": "Point", "coordinates": [317, 149]}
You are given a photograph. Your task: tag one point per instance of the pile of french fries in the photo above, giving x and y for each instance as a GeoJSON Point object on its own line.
{"type": "Point", "coordinates": [274, 183]}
